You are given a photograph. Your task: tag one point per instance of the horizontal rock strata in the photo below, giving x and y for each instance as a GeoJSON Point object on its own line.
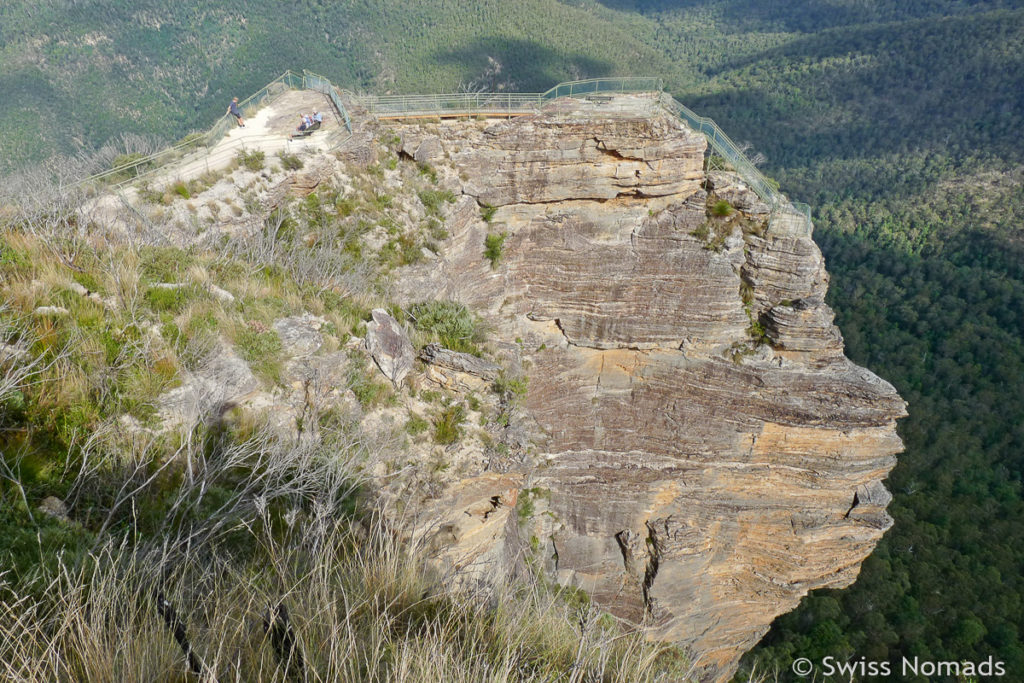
{"type": "Point", "coordinates": [705, 452]}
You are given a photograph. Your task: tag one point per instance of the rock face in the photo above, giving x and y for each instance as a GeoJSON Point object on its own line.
{"type": "Point", "coordinates": [705, 454]}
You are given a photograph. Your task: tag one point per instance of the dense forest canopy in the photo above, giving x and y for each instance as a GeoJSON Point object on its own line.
{"type": "Point", "coordinates": [898, 120]}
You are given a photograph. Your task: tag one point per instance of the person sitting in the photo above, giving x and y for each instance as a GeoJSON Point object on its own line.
{"type": "Point", "coordinates": [312, 122]}
{"type": "Point", "coordinates": [307, 121]}
{"type": "Point", "coordinates": [236, 112]}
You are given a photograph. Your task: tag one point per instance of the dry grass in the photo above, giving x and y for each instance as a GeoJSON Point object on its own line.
{"type": "Point", "coordinates": [359, 610]}
{"type": "Point", "coordinates": [362, 603]}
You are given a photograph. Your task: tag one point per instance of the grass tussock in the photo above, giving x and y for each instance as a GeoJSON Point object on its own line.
{"type": "Point", "coordinates": [450, 323]}
{"type": "Point", "coordinates": [356, 606]}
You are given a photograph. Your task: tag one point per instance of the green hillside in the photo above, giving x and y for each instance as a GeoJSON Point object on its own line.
{"type": "Point", "coordinates": [899, 121]}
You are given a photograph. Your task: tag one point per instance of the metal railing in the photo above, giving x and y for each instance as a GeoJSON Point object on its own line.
{"type": "Point", "coordinates": [410, 106]}
{"type": "Point", "coordinates": [502, 104]}
{"type": "Point", "coordinates": [312, 81]}
{"type": "Point", "coordinates": [593, 86]}
{"type": "Point", "coordinates": [196, 146]}
{"type": "Point", "coordinates": [722, 145]}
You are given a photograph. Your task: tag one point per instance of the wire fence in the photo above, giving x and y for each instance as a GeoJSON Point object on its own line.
{"type": "Point", "coordinates": [592, 86]}
{"type": "Point", "coordinates": [722, 145]}
{"type": "Point", "coordinates": [312, 81]}
{"type": "Point", "coordinates": [510, 104]}
{"type": "Point", "coordinates": [411, 106]}
{"type": "Point", "coordinates": [204, 147]}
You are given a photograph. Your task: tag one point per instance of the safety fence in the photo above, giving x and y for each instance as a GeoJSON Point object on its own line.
{"type": "Point", "coordinates": [312, 81]}
{"type": "Point", "coordinates": [595, 86]}
{"type": "Point", "coordinates": [723, 146]}
{"type": "Point", "coordinates": [455, 104]}
{"type": "Point", "coordinates": [498, 104]}
{"type": "Point", "coordinates": [203, 147]}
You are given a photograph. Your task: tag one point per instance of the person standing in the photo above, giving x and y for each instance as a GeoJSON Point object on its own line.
{"type": "Point", "coordinates": [236, 112]}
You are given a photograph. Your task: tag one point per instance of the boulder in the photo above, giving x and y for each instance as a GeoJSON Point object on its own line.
{"type": "Point", "coordinates": [389, 345]}
{"type": "Point", "coordinates": [456, 370]}
{"type": "Point", "coordinates": [225, 379]}
{"type": "Point", "coordinates": [42, 311]}
{"type": "Point", "coordinates": [300, 334]}
{"type": "Point", "coordinates": [52, 506]}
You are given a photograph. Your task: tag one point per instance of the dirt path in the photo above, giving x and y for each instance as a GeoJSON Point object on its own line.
{"type": "Point", "coordinates": [268, 130]}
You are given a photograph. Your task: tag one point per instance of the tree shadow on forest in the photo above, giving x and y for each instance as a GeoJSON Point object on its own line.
{"type": "Point", "coordinates": [876, 94]}
{"type": "Point", "coordinates": [802, 16]}
{"type": "Point", "coordinates": [497, 63]}
{"type": "Point", "coordinates": [918, 38]}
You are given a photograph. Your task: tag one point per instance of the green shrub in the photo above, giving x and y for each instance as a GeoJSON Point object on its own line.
{"type": "Point", "coordinates": [713, 234]}
{"type": "Point", "coordinates": [168, 299]}
{"type": "Point", "coordinates": [511, 388]}
{"type": "Point", "coordinates": [181, 189]}
{"type": "Point", "coordinates": [290, 162]}
{"type": "Point", "coordinates": [416, 425]}
{"type": "Point", "coordinates": [88, 279]}
{"type": "Point", "coordinates": [524, 509]}
{"type": "Point", "coordinates": [428, 171]}
{"type": "Point", "coordinates": [758, 333]}
{"type": "Point", "coordinates": [450, 323]}
{"type": "Point", "coordinates": [10, 258]}
{"type": "Point", "coordinates": [262, 349]}
{"type": "Point", "coordinates": [164, 264]}
{"type": "Point", "coordinates": [254, 160]}
{"type": "Point", "coordinates": [368, 390]}
{"type": "Point", "coordinates": [722, 209]}
{"type": "Point", "coordinates": [448, 424]}
{"type": "Point", "coordinates": [133, 161]}
{"type": "Point", "coordinates": [487, 212]}
{"type": "Point", "coordinates": [433, 200]}
{"type": "Point", "coordinates": [437, 230]}
{"type": "Point", "coordinates": [401, 251]}
{"type": "Point", "coordinates": [494, 244]}
{"type": "Point", "coordinates": [345, 206]}
{"type": "Point", "coordinates": [191, 140]}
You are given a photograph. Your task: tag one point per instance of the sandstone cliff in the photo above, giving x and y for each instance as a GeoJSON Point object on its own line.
{"type": "Point", "coordinates": [699, 453]}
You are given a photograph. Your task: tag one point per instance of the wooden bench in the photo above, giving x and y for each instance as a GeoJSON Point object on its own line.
{"type": "Point", "coordinates": [306, 133]}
